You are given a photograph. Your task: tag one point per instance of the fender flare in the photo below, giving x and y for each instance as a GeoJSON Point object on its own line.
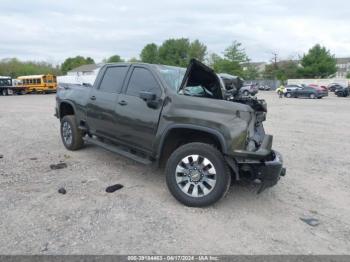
{"type": "Point", "coordinates": [211, 131]}
{"type": "Point", "coordinates": [67, 102]}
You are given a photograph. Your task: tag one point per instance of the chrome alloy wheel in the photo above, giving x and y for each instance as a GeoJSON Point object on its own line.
{"type": "Point", "coordinates": [195, 175]}
{"type": "Point", "coordinates": [67, 133]}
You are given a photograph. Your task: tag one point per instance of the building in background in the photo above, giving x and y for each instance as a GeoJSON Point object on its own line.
{"type": "Point", "coordinates": [343, 67]}
{"type": "Point", "coordinates": [85, 74]}
{"type": "Point", "coordinates": [259, 66]}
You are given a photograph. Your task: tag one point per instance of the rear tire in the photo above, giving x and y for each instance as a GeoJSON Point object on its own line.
{"type": "Point", "coordinates": [72, 136]}
{"type": "Point", "coordinates": [312, 96]}
{"type": "Point", "coordinates": [205, 170]}
{"type": "Point", "coordinates": [4, 92]}
{"type": "Point", "coordinates": [246, 93]}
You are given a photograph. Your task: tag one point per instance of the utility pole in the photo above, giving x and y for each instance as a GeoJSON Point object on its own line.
{"type": "Point", "coordinates": [275, 59]}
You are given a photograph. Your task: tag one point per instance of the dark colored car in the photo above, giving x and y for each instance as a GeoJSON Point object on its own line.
{"type": "Point", "coordinates": [342, 91]}
{"type": "Point", "coordinates": [334, 86]}
{"type": "Point", "coordinates": [306, 92]}
{"type": "Point", "coordinates": [175, 118]}
{"type": "Point", "coordinates": [292, 87]}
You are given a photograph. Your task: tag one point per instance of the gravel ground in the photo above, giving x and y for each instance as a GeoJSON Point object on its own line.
{"type": "Point", "coordinates": [143, 218]}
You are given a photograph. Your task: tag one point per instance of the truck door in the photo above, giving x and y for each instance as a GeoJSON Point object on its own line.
{"type": "Point", "coordinates": [139, 107]}
{"type": "Point", "coordinates": [102, 101]}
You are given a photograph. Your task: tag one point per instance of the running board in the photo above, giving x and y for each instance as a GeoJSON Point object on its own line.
{"type": "Point", "coordinates": [118, 150]}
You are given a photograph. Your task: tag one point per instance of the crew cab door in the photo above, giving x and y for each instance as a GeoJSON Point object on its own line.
{"type": "Point", "coordinates": [139, 107]}
{"type": "Point", "coordinates": [102, 101]}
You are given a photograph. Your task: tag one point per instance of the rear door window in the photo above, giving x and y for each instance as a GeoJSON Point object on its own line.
{"type": "Point", "coordinates": [113, 79]}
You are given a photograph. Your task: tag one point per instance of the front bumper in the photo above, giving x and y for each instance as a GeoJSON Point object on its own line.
{"type": "Point", "coordinates": [269, 172]}
{"type": "Point", "coordinates": [265, 172]}
{"type": "Point", "coordinates": [264, 165]}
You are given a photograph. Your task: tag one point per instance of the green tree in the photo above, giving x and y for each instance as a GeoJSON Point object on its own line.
{"type": "Point", "coordinates": [133, 60]}
{"type": "Point", "coordinates": [114, 59]}
{"type": "Point", "coordinates": [231, 63]}
{"type": "Point", "coordinates": [223, 65]}
{"type": "Point", "coordinates": [318, 63]}
{"type": "Point", "coordinates": [197, 50]}
{"type": "Point", "coordinates": [174, 52]}
{"type": "Point", "coordinates": [235, 53]}
{"type": "Point", "coordinates": [73, 62]}
{"type": "Point", "coordinates": [149, 54]}
{"type": "Point", "coordinates": [348, 75]}
{"type": "Point", "coordinates": [14, 68]}
{"type": "Point", "coordinates": [250, 72]}
{"type": "Point", "coordinates": [282, 70]}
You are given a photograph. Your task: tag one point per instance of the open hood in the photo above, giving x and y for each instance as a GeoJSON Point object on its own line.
{"type": "Point", "coordinates": [200, 75]}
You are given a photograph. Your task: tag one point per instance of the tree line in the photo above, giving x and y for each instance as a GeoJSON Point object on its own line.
{"type": "Point", "coordinates": [14, 68]}
{"type": "Point", "coordinates": [318, 62]}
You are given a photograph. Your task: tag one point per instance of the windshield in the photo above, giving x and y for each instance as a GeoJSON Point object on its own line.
{"type": "Point", "coordinates": [5, 82]}
{"type": "Point", "coordinates": [172, 75]}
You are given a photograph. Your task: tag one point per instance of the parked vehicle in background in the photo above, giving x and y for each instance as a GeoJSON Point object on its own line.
{"type": "Point", "coordinates": [293, 87]}
{"type": "Point", "coordinates": [306, 92]}
{"type": "Point", "coordinates": [319, 87]}
{"type": "Point", "coordinates": [342, 91]}
{"type": "Point", "coordinates": [264, 87]}
{"type": "Point", "coordinates": [249, 89]}
{"type": "Point", "coordinates": [38, 83]}
{"type": "Point", "coordinates": [332, 87]}
{"type": "Point", "coordinates": [8, 88]}
{"type": "Point", "coordinates": [174, 117]}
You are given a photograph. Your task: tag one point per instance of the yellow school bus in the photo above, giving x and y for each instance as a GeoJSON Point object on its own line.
{"type": "Point", "coordinates": [38, 83]}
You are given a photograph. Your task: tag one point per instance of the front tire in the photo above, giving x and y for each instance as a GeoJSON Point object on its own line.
{"type": "Point", "coordinates": [312, 96]}
{"type": "Point", "coordinates": [246, 93]}
{"type": "Point", "coordinates": [197, 175]}
{"type": "Point", "coordinates": [289, 95]}
{"type": "Point", "coordinates": [72, 136]}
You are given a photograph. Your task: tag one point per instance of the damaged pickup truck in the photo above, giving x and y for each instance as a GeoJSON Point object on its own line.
{"type": "Point", "coordinates": [183, 120]}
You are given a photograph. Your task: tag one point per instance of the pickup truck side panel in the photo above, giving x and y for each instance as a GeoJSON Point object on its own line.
{"type": "Point", "coordinates": [127, 119]}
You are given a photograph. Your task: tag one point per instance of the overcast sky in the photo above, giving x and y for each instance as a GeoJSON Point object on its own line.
{"type": "Point", "coordinates": [53, 30]}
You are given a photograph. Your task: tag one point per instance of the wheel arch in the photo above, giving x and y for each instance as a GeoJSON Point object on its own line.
{"type": "Point", "coordinates": [66, 108]}
{"type": "Point", "coordinates": [168, 143]}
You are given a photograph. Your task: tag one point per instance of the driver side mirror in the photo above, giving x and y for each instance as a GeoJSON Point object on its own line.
{"type": "Point", "coordinates": [150, 98]}
{"type": "Point", "coordinates": [147, 96]}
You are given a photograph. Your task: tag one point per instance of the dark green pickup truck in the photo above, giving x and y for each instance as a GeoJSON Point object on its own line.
{"type": "Point", "coordinates": [182, 119]}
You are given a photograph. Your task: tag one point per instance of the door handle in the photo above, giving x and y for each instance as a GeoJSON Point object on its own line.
{"type": "Point", "coordinates": [122, 103]}
{"type": "Point", "coordinates": [93, 97]}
